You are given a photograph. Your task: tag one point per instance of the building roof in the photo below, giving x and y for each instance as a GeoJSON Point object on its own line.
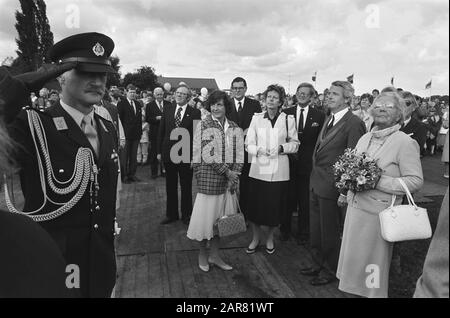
{"type": "Point", "coordinates": [194, 83]}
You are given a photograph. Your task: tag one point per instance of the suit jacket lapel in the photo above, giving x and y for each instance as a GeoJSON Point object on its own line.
{"type": "Point", "coordinates": [186, 116]}
{"type": "Point", "coordinates": [73, 131]}
{"type": "Point", "coordinates": [334, 130]}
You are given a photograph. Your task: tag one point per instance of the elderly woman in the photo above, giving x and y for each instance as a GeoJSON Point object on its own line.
{"type": "Point", "coordinates": [271, 136]}
{"type": "Point", "coordinates": [218, 158]}
{"type": "Point", "coordinates": [363, 250]}
{"type": "Point", "coordinates": [363, 111]}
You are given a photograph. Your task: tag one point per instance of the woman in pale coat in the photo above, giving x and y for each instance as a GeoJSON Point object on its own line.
{"type": "Point", "coordinates": [271, 136]}
{"type": "Point", "coordinates": [365, 256]}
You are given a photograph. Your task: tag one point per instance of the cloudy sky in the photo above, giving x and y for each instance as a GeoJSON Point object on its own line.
{"type": "Point", "coordinates": [270, 41]}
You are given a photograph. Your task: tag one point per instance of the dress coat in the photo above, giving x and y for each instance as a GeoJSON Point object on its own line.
{"type": "Point", "coordinates": [215, 153]}
{"type": "Point", "coordinates": [85, 234]}
{"type": "Point", "coordinates": [362, 243]}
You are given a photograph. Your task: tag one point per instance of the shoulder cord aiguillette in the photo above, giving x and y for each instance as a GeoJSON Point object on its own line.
{"type": "Point", "coordinates": [85, 172]}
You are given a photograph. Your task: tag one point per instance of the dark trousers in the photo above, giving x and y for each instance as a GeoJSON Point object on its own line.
{"type": "Point", "coordinates": [243, 188]}
{"type": "Point", "coordinates": [130, 163]}
{"type": "Point", "coordinates": [298, 201]}
{"type": "Point", "coordinates": [325, 232]}
{"type": "Point", "coordinates": [154, 163]}
{"type": "Point", "coordinates": [184, 172]}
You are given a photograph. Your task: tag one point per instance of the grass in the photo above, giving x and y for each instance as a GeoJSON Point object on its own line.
{"type": "Point", "coordinates": [408, 257]}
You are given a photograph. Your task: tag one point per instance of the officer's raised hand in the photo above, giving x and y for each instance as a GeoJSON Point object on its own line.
{"type": "Point", "coordinates": [36, 80]}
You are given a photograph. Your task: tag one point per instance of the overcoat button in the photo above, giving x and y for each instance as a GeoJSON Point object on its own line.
{"type": "Point", "coordinates": [95, 226]}
{"type": "Point", "coordinates": [61, 170]}
{"type": "Point", "coordinates": [97, 208]}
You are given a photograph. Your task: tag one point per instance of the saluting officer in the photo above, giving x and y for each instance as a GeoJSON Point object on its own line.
{"type": "Point", "coordinates": [68, 161]}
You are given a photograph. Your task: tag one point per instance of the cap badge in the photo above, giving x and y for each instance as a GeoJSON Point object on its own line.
{"type": "Point", "coordinates": [98, 49]}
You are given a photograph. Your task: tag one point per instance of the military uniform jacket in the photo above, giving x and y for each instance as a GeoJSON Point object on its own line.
{"type": "Point", "coordinates": [85, 234]}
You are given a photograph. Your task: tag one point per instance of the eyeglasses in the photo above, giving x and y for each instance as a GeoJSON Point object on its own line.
{"type": "Point", "coordinates": [181, 94]}
{"type": "Point", "coordinates": [238, 88]}
{"type": "Point", "coordinates": [385, 106]}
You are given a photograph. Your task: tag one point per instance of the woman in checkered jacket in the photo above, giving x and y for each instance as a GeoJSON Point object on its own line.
{"type": "Point", "coordinates": [218, 157]}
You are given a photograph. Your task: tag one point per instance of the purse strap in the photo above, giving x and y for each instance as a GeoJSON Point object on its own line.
{"type": "Point", "coordinates": [408, 194]}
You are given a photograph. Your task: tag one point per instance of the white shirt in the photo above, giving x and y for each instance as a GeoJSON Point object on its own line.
{"type": "Point", "coordinates": [305, 115]}
{"type": "Point", "coordinates": [77, 115]}
{"type": "Point", "coordinates": [236, 103]}
{"type": "Point", "coordinates": [183, 110]}
{"type": "Point", "coordinates": [338, 116]}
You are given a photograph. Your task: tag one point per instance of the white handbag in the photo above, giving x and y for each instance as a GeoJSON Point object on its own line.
{"type": "Point", "coordinates": [404, 222]}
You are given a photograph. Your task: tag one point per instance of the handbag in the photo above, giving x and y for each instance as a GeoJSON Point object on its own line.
{"type": "Point", "coordinates": [232, 220]}
{"type": "Point", "coordinates": [404, 222]}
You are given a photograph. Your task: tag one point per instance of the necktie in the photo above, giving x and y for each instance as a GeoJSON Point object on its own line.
{"type": "Point", "coordinates": [91, 133]}
{"type": "Point", "coordinates": [132, 105]}
{"type": "Point", "coordinates": [239, 107]}
{"type": "Point", "coordinates": [330, 125]}
{"type": "Point", "coordinates": [160, 105]}
{"type": "Point", "coordinates": [300, 124]}
{"type": "Point", "coordinates": [178, 117]}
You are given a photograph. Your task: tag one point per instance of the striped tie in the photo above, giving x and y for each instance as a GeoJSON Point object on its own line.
{"type": "Point", "coordinates": [178, 117]}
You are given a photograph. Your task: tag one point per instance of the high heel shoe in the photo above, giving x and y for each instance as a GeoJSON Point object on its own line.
{"type": "Point", "coordinates": [223, 266]}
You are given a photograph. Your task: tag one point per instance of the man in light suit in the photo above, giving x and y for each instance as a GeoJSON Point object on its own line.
{"type": "Point", "coordinates": [242, 114]}
{"type": "Point", "coordinates": [153, 114]}
{"type": "Point", "coordinates": [177, 163]}
{"type": "Point", "coordinates": [341, 130]}
{"type": "Point", "coordinates": [309, 122]}
{"type": "Point", "coordinates": [130, 113]}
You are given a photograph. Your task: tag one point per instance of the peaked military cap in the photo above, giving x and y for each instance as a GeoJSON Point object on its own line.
{"type": "Point", "coordinates": [89, 50]}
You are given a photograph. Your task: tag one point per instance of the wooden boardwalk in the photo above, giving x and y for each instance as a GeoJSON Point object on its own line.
{"type": "Point", "coordinates": [159, 261]}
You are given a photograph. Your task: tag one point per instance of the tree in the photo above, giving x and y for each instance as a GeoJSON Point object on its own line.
{"type": "Point", "coordinates": [114, 78]}
{"type": "Point", "coordinates": [35, 38]}
{"type": "Point", "coordinates": [144, 78]}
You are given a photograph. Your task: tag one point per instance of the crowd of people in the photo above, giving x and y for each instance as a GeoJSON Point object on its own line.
{"type": "Point", "coordinates": [282, 166]}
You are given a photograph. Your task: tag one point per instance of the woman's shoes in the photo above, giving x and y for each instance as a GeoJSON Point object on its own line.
{"type": "Point", "coordinates": [250, 250]}
{"type": "Point", "coordinates": [221, 265]}
{"type": "Point", "coordinates": [204, 268]}
{"type": "Point", "coordinates": [270, 250]}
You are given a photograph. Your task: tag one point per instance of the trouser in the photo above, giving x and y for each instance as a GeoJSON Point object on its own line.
{"type": "Point", "coordinates": [298, 201]}
{"type": "Point", "coordinates": [142, 152]}
{"type": "Point", "coordinates": [182, 171]}
{"type": "Point", "coordinates": [130, 164]}
{"type": "Point", "coordinates": [325, 232]}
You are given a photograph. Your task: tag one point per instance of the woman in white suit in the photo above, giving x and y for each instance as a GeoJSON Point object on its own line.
{"type": "Point", "coordinates": [365, 257]}
{"type": "Point", "coordinates": [271, 136]}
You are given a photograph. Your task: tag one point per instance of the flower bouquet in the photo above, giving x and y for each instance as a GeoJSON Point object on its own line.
{"type": "Point", "coordinates": [356, 172]}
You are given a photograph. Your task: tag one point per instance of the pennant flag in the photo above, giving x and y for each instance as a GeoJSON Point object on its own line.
{"type": "Point", "coordinates": [350, 78]}
{"type": "Point", "coordinates": [428, 86]}
{"type": "Point", "coordinates": [392, 80]}
{"type": "Point", "coordinates": [314, 77]}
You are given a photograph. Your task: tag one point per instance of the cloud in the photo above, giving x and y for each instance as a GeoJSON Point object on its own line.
{"type": "Point", "coordinates": [275, 41]}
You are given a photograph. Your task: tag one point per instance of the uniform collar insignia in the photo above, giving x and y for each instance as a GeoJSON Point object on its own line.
{"type": "Point", "coordinates": [98, 49]}
{"type": "Point", "coordinates": [60, 123]}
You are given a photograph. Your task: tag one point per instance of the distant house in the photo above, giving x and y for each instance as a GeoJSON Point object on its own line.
{"type": "Point", "coordinates": [194, 83]}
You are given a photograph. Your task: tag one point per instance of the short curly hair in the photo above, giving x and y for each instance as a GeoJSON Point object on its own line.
{"type": "Point", "coordinates": [276, 88]}
{"type": "Point", "coordinates": [216, 96]}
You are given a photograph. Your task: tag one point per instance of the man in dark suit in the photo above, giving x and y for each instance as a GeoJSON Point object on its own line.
{"type": "Point", "coordinates": [309, 123]}
{"type": "Point", "coordinates": [79, 143]}
{"type": "Point", "coordinates": [130, 113]}
{"type": "Point", "coordinates": [242, 114]}
{"type": "Point", "coordinates": [178, 119]}
{"type": "Point", "coordinates": [411, 126]}
{"type": "Point", "coordinates": [341, 130]}
{"type": "Point", "coordinates": [153, 115]}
